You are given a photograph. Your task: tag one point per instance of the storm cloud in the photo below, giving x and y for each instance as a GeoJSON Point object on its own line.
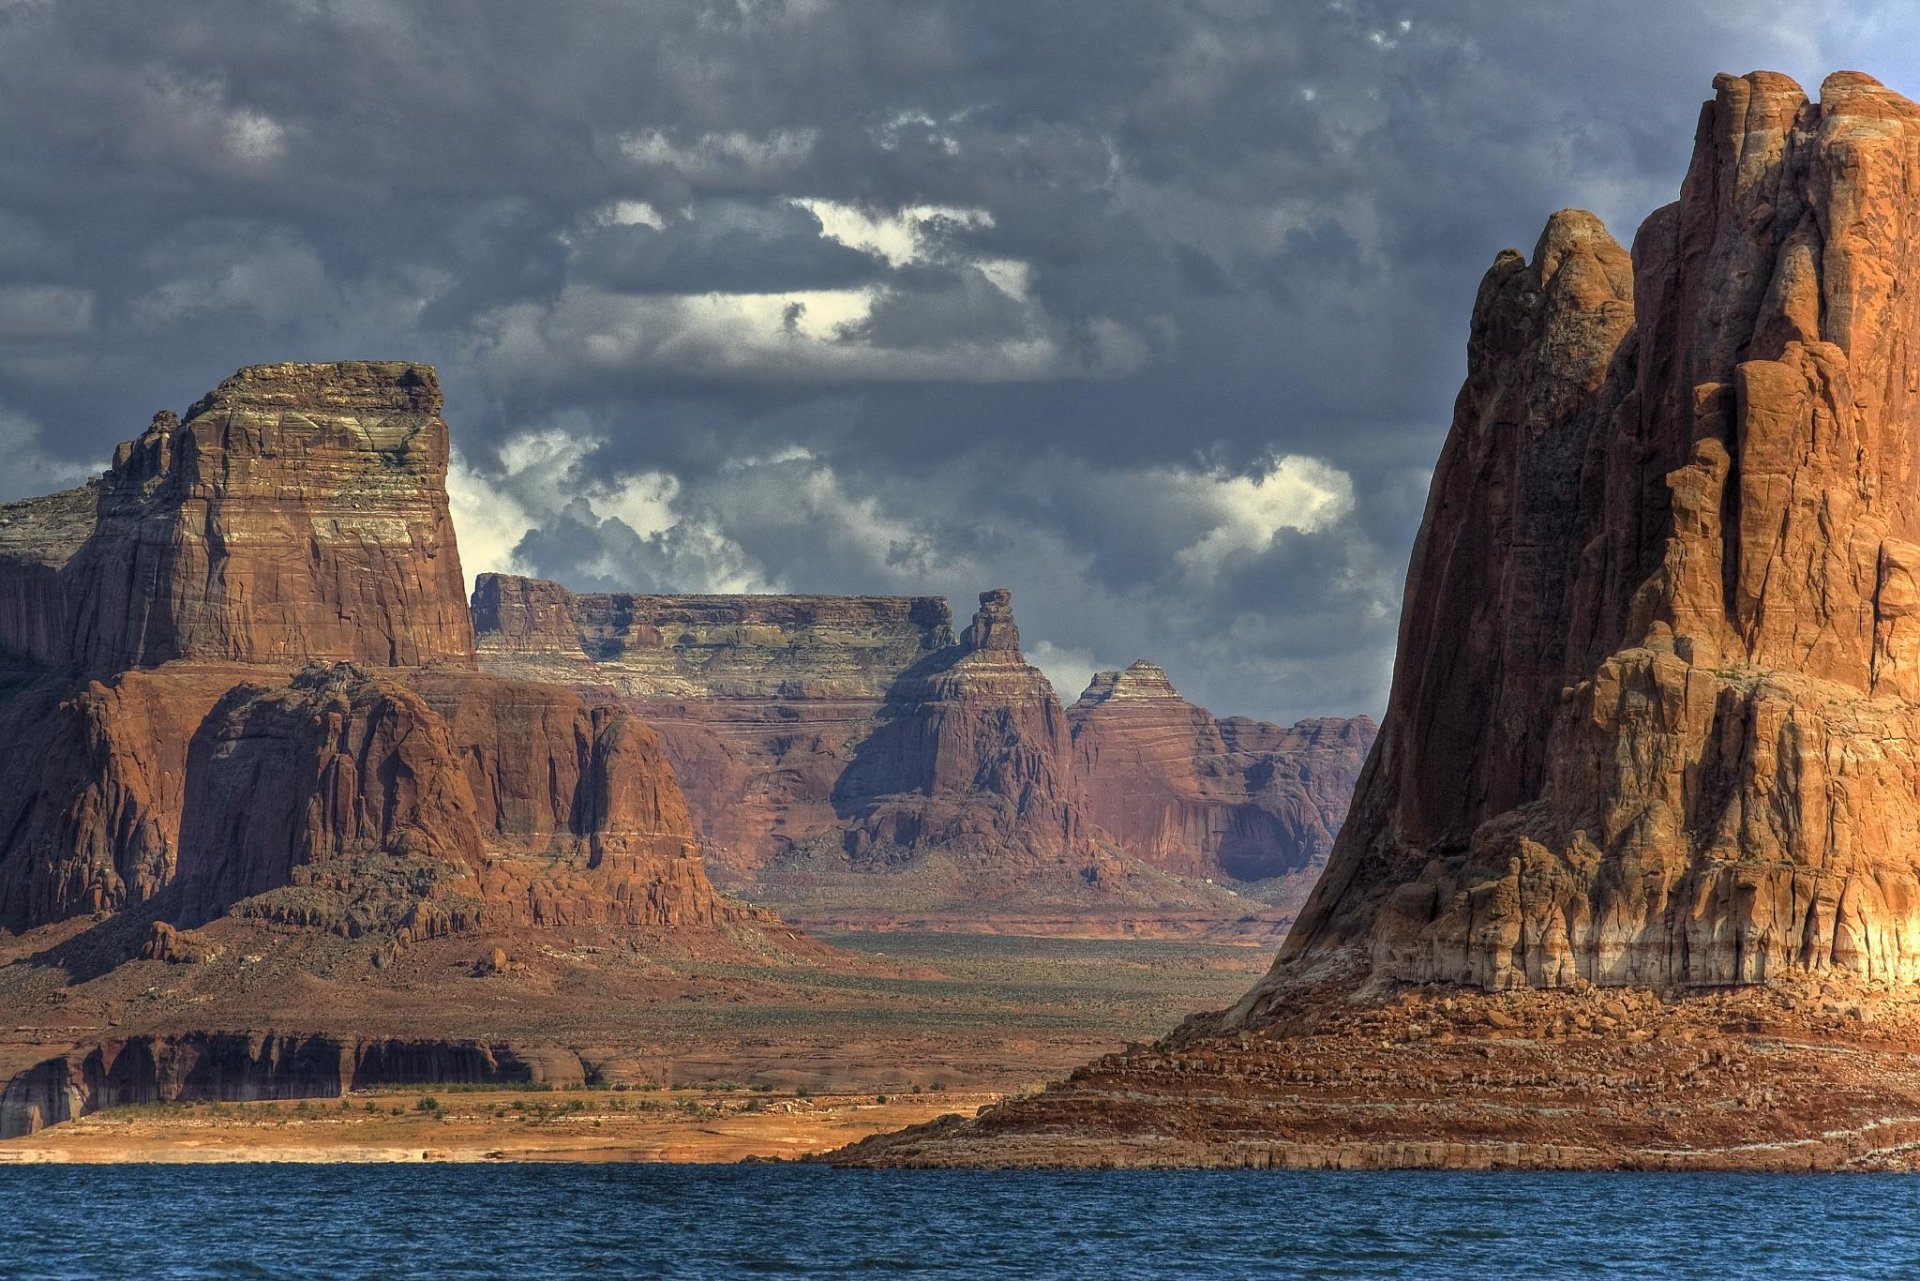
{"type": "Point", "coordinates": [1151, 310]}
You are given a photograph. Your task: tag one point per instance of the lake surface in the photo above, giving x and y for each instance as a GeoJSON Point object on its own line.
{"type": "Point", "coordinates": [758, 1221]}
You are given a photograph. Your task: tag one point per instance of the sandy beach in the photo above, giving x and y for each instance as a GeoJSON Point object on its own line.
{"type": "Point", "coordinates": [703, 1125]}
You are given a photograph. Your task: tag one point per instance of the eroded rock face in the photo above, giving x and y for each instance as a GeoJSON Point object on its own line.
{"type": "Point", "coordinates": [864, 721]}
{"type": "Point", "coordinates": [972, 746]}
{"type": "Point", "coordinates": [92, 787]}
{"type": "Point", "coordinates": [203, 1065]}
{"type": "Point", "coordinates": [299, 512]}
{"type": "Point", "coordinates": [1654, 711]}
{"type": "Point", "coordinates": [299, 517]}
{"type": "Point", "coordinates": [501, 803]}
{"type": "Point", "coordinates": [1232, 798]}
{"type": "Point", "coordinates": [761, 701]}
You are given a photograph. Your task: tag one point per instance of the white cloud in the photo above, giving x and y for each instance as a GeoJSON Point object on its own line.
{"type": "Point", "coordinates": [192, 121]}
{"type": "Point", "coordinates": [902, 237]}
{"type": "Point", "coordinates": [254, 138]}
{"type": "Point", "coordinates": [809, 335]}
{"type": "Point", "coordinates": [487, 522]}
{"type": "Point", "coordinates": [30, 470]}
{"type": "Point", "coordinates": [1295, 493]}
{"type": "Point", "coordinates": [720, 157]}
{"type": "Point", "coordinates": [630, 213]}
{"type": "Point", "coordinates": [632, 523]}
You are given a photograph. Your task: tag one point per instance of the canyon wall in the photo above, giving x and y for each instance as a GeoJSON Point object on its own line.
{"type": "Point", "coordinates": [1232, 798]}
{"type": "Point", "coordinates": [245, 661]}
{"type": "Point", "coordinates": [761, 701]}
{"type": "Point", "coordinates": [298, 513]}
{"type": "Point", "coordinates": [1654, 713]}
{"type": "Point", "coordinates": [865, 722]}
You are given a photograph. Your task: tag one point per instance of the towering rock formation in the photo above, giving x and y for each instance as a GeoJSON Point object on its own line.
{"type": "Point", "coordinates": [1653, 717]}
{"type": "Point", "coordinates": [1233, 798]}
{"type": "Point", "coordinates": [300, 512]}
{"type": "Point", "coordinates": [1643, 821]}
{"type": "Point", "coordinates": [233, 570]}
{"type": "Point", "coordinates": [972, 747]}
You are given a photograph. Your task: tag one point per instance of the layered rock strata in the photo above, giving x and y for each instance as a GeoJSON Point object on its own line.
{"type": "Point", "coordinates": [1653, 714]}
{"type": "Point", "coordinates": [250, 680]}
{"type": "Point", "coordinates": [1203, 796]}
{"type": "Point", "coordinates": [1631, 876]}
{"type": "Point", "coordinates": [863, 721]}
{"type": "Point", "coordinates": [298, 513]}
{"type": "Point", "coordinates": [971, 747]}
{"type": "Point", "coordinates": [761, 701]}
{"type": "Point", "coordinates": [241, 1066]}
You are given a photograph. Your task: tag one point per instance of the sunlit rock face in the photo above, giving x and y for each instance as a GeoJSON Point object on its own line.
{"type": "Point", "coordinates": [299, 512]}
{"type": "Point", "coordinates": [866, 721]}
{"type": "Point", "coordinates": [1655, 710]}
{"type": "Point", "coordinates": [237, 674]}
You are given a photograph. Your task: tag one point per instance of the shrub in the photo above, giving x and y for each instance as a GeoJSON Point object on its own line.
{"type": "Point", "coordinates": [427, 1103]}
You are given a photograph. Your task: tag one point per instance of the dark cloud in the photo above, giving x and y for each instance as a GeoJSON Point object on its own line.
{"type": "Point", "coordinates": [1150, 309]}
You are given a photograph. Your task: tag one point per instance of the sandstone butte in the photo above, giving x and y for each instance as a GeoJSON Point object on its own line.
{"type": "Point", "coordinates": [1632, 877]}
{"type": "Point", "coordinates": [241, 700]}
{"type": "Point", "coordinates": [852, 761]}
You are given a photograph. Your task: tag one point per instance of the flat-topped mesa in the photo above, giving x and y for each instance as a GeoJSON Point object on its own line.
{"type": "Point", "coordinates": [151, 619]}
{"type": "Point", "coordinates": [1658, 688]}
{"type": "Point", "coordinates": [1234, 798]}
{"type": "Point", "coordinates": [299, 513]}
{"type": "Point", "coordinates": [680, 646]}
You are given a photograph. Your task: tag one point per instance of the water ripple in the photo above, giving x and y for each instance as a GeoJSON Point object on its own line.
{"type": "Point", "coordinates": [758, 1221]}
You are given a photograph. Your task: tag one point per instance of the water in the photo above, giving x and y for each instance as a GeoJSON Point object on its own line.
{"type": "Point", "coordinates": [748, 1221]}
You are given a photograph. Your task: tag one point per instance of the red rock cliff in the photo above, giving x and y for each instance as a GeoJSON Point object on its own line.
{"type": "Point", "coordinates": [1654, 711]}
{"type": "Point", "coordinates": [299, 512]}
{"type": "Point", "coordinates": [793, 719]}
{"type": "Point", "coordinates": [1233, 798]}
{"type": "Point", "coordinates": [972, 746]}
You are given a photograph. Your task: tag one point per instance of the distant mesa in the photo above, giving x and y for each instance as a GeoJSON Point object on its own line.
{"type": "Point", "coordinates": [825, 739]}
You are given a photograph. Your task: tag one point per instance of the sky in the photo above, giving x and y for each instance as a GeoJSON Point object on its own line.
{"type": "Point", "coordinates": [1150, 310]}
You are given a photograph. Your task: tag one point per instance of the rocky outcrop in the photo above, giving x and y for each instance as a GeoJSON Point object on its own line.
{"type": "Point", "coordinates": [1237, 799]}
{"type": "Point", "coordinates": [661, 648]}
{"type": "Point", "coordinates": [1631, 877]}
{"type": "Point", "coordinates": [761, 701]}
{"type": "Point", "coordinates": [1653, 714]}
{"type": "Point", "coordinates": [514, 803]}
{"type": "Point", "coordinates": [971, 747]}
{"type": "Point", "coordinates": [90, 800]}
{"type": "Point", "coordinates": [298, 519]}
{"type": "Point", "coordinates": [863, 722]}
{"type": "Point", "coordinates": [298, 513]}
{"type": "Point", "coordinates": [243, 1067]}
